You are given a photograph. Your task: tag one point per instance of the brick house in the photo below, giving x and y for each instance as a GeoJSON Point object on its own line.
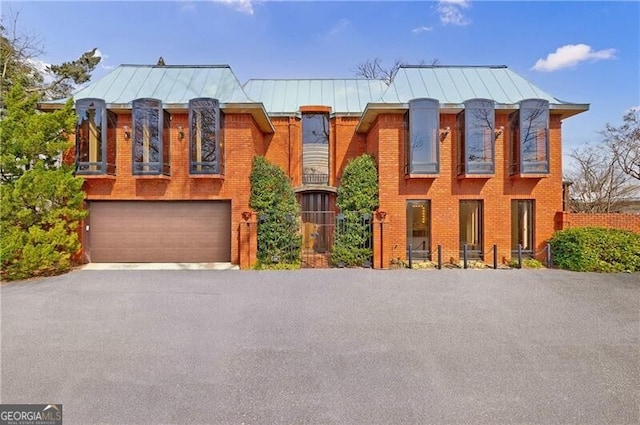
{"type": "Point", "coordinates": [467, 156]}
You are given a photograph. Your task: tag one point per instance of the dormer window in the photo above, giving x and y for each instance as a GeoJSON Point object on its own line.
{"type": "Point", "coordinates": [150, 138]}
{"type": "Point", "coordinates": [476, 137]}
{"type": "Point", "coordinates": [204, 136]}
{"type": "Point", "coordinates": [95, 141]}
{"type": "Point", "coordinates": [422, 144]}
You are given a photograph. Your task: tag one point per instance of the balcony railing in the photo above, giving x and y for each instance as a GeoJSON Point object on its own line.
{"type": "Point", "coordinates": [315, 178]}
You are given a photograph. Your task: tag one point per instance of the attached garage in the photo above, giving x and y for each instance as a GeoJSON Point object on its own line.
{"type": "Point", "coordinates": [159, 231]}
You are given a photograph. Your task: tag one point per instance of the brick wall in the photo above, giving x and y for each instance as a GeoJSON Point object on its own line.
{"type": "Point", "coordinates": [386, 142]}
{"type": "Point", "coordinates": [242, 139]}
{"type": "Point", "coordinates": [566, 220]}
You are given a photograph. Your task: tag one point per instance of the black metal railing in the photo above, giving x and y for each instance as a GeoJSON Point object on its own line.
{"type": "Point", "coordinates": [315, 178]}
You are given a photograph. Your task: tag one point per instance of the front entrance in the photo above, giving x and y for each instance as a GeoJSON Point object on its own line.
{"type": "Point", "coordinates": [318, 224]}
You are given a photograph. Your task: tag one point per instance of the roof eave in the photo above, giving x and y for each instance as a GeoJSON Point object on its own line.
{"type": "Point", "coordinates": [256, 110]}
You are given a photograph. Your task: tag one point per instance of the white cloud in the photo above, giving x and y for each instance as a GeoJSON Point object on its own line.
{"type": "Point", "coordinates": [421, 30]}
{"type": "Point", "coordinates": [570, 55]}
{"type": "Point", "coordinates": [339, 27]}
{"type": "Point", "coordinates": [244, 6]}
{"type": "Point", "coordinates": [187, 5]}
{"type": "Point", "coordinates": [452, 12]}
{"type": "Point", "coordinates": [103, 62]}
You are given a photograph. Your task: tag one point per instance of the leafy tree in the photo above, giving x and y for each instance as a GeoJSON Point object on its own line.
{"type": "Point", "coordinates": [624, 142]}
{"type": "Point", "coordinates": [357, 198]}
{"type": "Point", "coordinates": [272, 197]}
{"type": "Point", "coordinates": [41, 198]}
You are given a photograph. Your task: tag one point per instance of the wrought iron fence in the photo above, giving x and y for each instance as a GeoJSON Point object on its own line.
{"type": "Point", "coordinates": [315, 241]}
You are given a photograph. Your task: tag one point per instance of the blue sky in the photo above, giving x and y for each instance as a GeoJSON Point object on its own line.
{"type": "Point", "coordinates": [579, 51]}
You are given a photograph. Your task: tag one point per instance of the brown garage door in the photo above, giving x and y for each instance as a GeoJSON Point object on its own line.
{"type": "Point", "coordinates": [159, 232]}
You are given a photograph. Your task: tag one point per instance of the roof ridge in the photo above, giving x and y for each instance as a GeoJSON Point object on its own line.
{"type": "Point", "coordinates": [315, 79]}
{"type": "Point", "coordinates": [453, 66]}
{"type": "Point", "coordinates": [171, 66]}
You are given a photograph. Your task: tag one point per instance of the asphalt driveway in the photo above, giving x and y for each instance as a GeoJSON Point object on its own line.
{"type": "Point", "coordinates": [325, 347]}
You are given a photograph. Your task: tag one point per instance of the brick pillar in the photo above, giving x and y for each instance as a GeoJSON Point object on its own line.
{"type": "Point", "coordinates": [248, 244]}
{"type": "Point", "coordinates": [381, 246]}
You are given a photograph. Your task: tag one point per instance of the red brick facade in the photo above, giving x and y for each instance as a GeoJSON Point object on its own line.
{"type": "Point", "coordinates": [385, 141]}
{"type": "Point", "coordinates": [365, 116]}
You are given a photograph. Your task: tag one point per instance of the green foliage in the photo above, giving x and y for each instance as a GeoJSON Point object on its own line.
{"type": "Point", "coordinates": [357, 198]}
{"type": "Point", "coordinates": [41, 204]}
{"type": "Point", "coordinates": [277, 266]}
{"type": "Point", "coordinates": [527, 263]}
{"type": "Point", "coordinates": [532, 263]}
{"type": "Point", "coordinates": [40, 214]}
{"type": "Point", "coordinates": [279, 239]}
{"type": "Point", "coordinates": [595, 249]}
{"type": "Point", "coordinates": [29, 137]}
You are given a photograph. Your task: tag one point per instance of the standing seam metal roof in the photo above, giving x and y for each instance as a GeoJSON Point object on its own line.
{"type": "Point", "coordinates": [455, 84]}
{"type": "Point", "coordinates": [342, 95]}
{"type": "Point", "coordinates": [171, 84]}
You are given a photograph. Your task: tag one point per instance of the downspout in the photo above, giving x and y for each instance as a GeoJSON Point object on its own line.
{"type": "Point", "coordinates": [289, 152]}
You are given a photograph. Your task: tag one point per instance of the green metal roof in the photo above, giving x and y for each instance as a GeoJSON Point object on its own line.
{"type": "Point", "coordinates": [346, 96]}
{"type": "Point", "coordinates": [171, 84]}
{"type": "Point", "coordinates": [455, 84]}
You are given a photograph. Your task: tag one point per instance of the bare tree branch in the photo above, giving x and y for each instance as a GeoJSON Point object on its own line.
{"type": "Point", "coordinates": [599, 184]}
{"type": "Point", "coordinates": [373, 69]}
{"type": "Point", "coordinates": [624, 142]}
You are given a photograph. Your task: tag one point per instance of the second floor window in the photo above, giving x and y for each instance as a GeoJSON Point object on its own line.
{"type": "Point", "coordinates": [150, 138]}
{"type": "Point", "coordinates": [204, 136]}
{"type": "Point", "coordinates": [95, 138]}
{"type": "Point", "coordinates": [315, 148]}
{"type": "Point", "coordinates": [530, 138]}
{"type": "Point", "coordinates": [422, 144]}
{"type": "Point", "coordinates": [476, 137]}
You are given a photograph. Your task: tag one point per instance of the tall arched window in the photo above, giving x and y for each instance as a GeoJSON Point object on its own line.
{"type": "Point", "coordinates": [150, 137]}
{"type": "Point", "coordinates": [204, 136]}
{"type": "Point", "coordinates": [95, 141]}
{"type": "Point", "coordinates": [422, 145]}
{"type": "Point", "coordinates": [530, 138]}
{"type": "Point", "coordinates": [476, 137]}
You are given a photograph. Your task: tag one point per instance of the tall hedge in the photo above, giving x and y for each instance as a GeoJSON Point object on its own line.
{"type": "Point", "coordinates": [596, 249]}
{"type": "Point", "coordinates": [357, 198]}
{"type": "Point", "coordinates": [272, 198]}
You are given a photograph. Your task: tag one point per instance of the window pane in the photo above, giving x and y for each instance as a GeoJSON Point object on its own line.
{"type": "Point", "coordinates": [534, 125]}
{"type": "Point", "coordinates": [147, 136]}
{"type": "Point", "coordinates": [471, 228]}
{"type": "Point", "coordinates": [424, 124]}
{"type": "Point", "coordinates": [522, 225]}
{"type": "Point", "coordinates": [90, 133]}
{"type": "Point", "coordinates": [479, 136]}
{"type": "Point", "coordinates": [418, 229]}
{"type": "Point", "coordinates": [204, 117]}
{"type": "Point", "coordinates": [315, 149]}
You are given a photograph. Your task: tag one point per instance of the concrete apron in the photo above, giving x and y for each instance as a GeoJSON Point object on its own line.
{"type": "Point", "coordinates": [159, 266]}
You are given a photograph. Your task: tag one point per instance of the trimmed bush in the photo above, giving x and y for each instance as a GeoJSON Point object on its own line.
{"type": "Point", "coordinates": [596, 249]}
{"type": "Point", "coordinates": [272, 197]}
{"type": "Point", "coordinates": [357, 198]}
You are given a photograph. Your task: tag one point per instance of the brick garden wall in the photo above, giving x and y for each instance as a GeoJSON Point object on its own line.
{"type": "Point", "coordinates": [566, 220]}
